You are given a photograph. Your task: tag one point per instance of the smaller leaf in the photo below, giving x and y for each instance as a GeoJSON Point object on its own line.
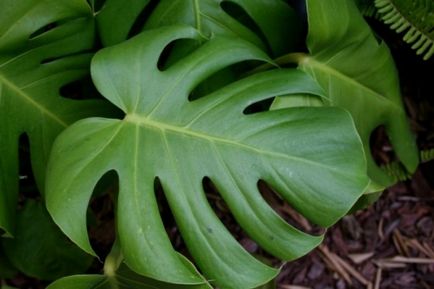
{"type": "Point", "coordinates": [40, 250]}
{"type": "Point", "coordinates": [358, 74]}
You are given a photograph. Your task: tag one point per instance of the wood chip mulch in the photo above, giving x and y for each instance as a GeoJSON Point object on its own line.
{"type": "Point", "coordinates": [388, 245]}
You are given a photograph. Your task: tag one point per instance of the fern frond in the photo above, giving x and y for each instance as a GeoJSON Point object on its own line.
{"type": "Point", "coordinates": [427, 155]}
{"type": "Point", "coordinates": [415, 18]}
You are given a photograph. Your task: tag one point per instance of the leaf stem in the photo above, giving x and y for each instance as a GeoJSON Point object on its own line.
{"type": "Point", "coordinates": [197, 14]}
{"type": "Point", "coordinates": [113, 260]}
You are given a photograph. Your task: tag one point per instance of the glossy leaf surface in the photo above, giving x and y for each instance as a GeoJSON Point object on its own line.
{"type": "Point", "coordinates": [312, 156]}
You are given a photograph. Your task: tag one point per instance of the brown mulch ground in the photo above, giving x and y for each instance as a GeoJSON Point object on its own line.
{"type": "Point", "coordinates": [389, 245]}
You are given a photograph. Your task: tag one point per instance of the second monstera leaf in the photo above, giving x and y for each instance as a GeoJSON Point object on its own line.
{"type": "Point", "coordinates": [44, 45]}
{"type": "Point", "coordinates": [358, 74]}
{"type": "Point", "coordinates": [312, 156]}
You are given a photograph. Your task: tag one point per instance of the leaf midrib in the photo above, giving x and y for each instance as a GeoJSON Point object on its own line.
{"type": "Point", "coordinates": [18, 91]}
{"type": "Point", "coordinates": [149, 123]}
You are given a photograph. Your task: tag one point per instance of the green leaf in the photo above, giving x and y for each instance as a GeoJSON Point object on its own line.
{"type": "Point", "coordinates": [42, 48]}
{"type": "Point", "coordinates": [312, 156]}
{"type": "Point", "coordinates": [39, 248]}
{"type": "Point", "coordinates": [358, 74]}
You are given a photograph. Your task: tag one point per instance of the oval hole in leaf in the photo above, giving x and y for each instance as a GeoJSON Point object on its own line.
{"type": "Point", "coordinates": [222, 78]}
{"type": "Point", "coordinates": [260, 106]}
{"type": "Point", "coordinates": [80, 89]}
{"type": "Point", "coordinates": [222, 211]}
{"type": "Point", "coordinates": [43, 30]}
{"type": "Point", "coordinates": [27, 184]}
{"type": "Point", "coordinates": [49, 60]}
{"type": "Point", "coordinates": [286, 211]}
{"type": "Point", "coordinates": [238, 13]}
{"type": "Point", "coordinates": [381, 147]}
{"type": "Point", "coordinates": [175, 51]}
{"type": "Point", "coordinates": [140, 21]}
{"type": "Point", "coordinates": [169, 222]}
{"type": "Point", "coordinates": [101, 226]}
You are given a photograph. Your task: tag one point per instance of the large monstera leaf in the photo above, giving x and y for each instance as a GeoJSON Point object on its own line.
{"type": "Point", "coordinates": [358, 73]}
{"type": "Point", "coordinates": [312, 156]}
{"type": "Point", "coordinates": [42, 48]}
{"type": "Point", "coordinates": [208, 16]}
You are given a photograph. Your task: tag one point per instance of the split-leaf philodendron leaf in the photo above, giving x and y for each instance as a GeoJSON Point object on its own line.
{"type": "Point", "coordinates": [42, 48]}
{"type": "Point", "coordinates": [312, 156]}
{"type": "Point", "coordinates": [357, 73]}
